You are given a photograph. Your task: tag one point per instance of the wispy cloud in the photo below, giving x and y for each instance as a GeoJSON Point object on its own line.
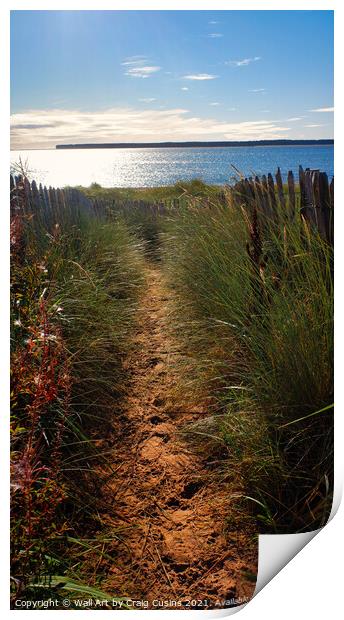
{"type": "Point", "coordinates": [142, 72]}
{"type": "Point", "coordinates": [215, 103]}
{"type": "Point", "coordinates": [147, 99]}
{"type": "Point", "coordinates": [314, 125]}
{"type": "Point", "coordinates": [200, 76]}
{"type": "Point", "coordinates": [184, 88]}
{"type": "Point", "coordinates": [215, 35]}
{"type": "Point", "coordinates": [257, 90]}
{"type": "Point", "coordinates": [46, 128]}
{"type": "Point", "coordinates": [213, 22]}
{"type": "Point", "coordinates": [293, 119]}
{"type": "Point", "coordinates": [136, 66]}
{"type": "Point", "coordinates": [243, 62]}
{"type": "Point", "coordinates": [322, 110]}
{"type": "Point", "coordinates": [134, 60]}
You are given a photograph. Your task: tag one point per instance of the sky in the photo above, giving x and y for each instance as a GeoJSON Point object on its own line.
{"type": "Point", "coordinates": [154, 76]}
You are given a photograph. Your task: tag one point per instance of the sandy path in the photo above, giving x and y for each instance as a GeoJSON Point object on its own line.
{"type": "Point", "coordinates": [176, 548]}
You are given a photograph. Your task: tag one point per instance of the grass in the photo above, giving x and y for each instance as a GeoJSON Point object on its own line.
{"type": "Point", "coordinates": [255, 308]}
{"type": "Point", "coordinates": [74, 289]}
{"type": "Point", "coordinates": [196, 188]}
{"type": "Point", "coordinates": [253, 312]}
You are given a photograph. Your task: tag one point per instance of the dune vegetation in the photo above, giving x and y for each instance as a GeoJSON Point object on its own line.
{"type": "Point", "coordinates": [74, 289]}
{"type": "Point", "coordinates": [255, 308]}
{"type": "Point", "coordinates": [247, 303]}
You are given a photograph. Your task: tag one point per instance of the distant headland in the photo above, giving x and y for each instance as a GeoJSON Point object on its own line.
{"type": "Point", "coordinates": [179, 145]}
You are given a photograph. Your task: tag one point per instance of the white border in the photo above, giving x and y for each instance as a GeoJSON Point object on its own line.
{"type": "Point", "coordinates": [311, 584]}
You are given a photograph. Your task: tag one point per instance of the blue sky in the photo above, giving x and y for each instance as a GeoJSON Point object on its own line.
{"type": "Point", "coordinates": [103, 76]}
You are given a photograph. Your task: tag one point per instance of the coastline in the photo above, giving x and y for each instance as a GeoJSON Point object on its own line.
{"type": "Point", "coordinates": [256, 146]}
{"type": "Point", "coordinates": [197, 145]}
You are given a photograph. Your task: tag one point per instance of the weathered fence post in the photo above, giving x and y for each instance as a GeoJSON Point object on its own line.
{"type": "Point", "coordinates": [272, 196]}
{"type": "Point", "coordinates": [291, 194]}
{"type": "Point", "coordinates": [326, 206]}
{"type": "Point", "coordinates": [319, 207]}
{"type": "Point", "coordinates": [265, 192]}
{"type": "Point", "coordinates": [306, 195]}
{"type": "Point", "coordinates": [280, 191]}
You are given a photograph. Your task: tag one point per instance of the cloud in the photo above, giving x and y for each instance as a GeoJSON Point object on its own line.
{"type": "Point", "coordinates": [35, 125]}
{"type": "Point", "coordinates": [134, 60]}
{"type": "Point", "coordinates": [147, 99]}
{"type": "Point", "coordinates": [294, 119]}
{"type": "Point", "coordinates": [142, 72]}
{"type": "Point", "coordinates": [46, 128]}
{"type": "Point", "coordinates": [213, 22]}
{"type": "Point", "coordinates": [242, 63]}
{"type": "Point", "coordinates": [314, 125]}
{"type": "Point", "coordinates": [214, 103]}
{"type": "Point", "coordinates": [215, 35]}
{"type": "Point", "coordinates": [200, 76]}
{"type": "Point", "coordinates": [257, 90]}
{"type": "Point", "coordinates": [184, 88]}
{"type": "Point", "coordinates": [136, 66]}
{"type": "Point", "coordinates": [322, 110]}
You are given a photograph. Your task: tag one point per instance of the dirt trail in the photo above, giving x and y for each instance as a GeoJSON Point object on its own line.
{"type": "Point", "coordinates": [175, 548]}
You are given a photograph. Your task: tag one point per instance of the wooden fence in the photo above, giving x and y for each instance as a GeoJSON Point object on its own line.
{"type": "Point", "coordinates": [312, 198]}
{"type": "Point", "coordinates": [49, 203]}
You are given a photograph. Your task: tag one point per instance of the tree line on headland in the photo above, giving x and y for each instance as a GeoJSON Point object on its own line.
{"type": "Point", "coordinates": [221, 144]}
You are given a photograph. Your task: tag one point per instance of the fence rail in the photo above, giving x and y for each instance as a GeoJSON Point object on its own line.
{"type": "Point", "coordinates": [312, 199]}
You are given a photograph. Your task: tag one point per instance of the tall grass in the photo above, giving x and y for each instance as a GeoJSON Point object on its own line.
{"type": "Point", "coordinates": [152, 195]}
{"type": "Point", "coordinates": [75, 284]}
{"type": "Point", "coordinates": [253, 310]}
{"type": "Point", "coordinates": [144, 210]}
{"type": "Point", "coordinates": [255, 307]}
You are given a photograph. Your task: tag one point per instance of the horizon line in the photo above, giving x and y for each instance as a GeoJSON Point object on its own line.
{"type": "Point", "coordinates": [196, 143]}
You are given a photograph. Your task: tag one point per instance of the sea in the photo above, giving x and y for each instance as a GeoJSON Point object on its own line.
{"type": "Point", "coordinates": [153, 167]}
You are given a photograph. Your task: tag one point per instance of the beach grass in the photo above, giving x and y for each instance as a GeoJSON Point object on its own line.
{"type": "Point", "coordinates": [74, 290]}
{"type": "Point", "coordinates": [261, 335]}
{"type": "Point", "coordinates": [252, 312]}
{"type": "Point", "coordinates": [195, 187]}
